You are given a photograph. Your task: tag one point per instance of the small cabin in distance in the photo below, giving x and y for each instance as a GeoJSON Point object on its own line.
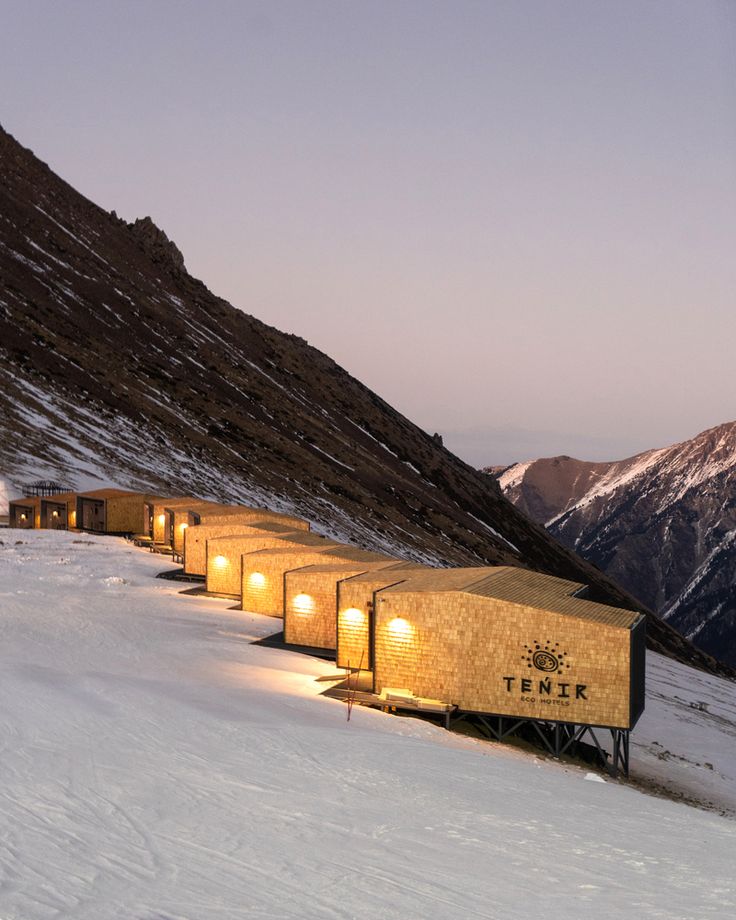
{"type": "Point", "coordinates": [95, 510]}
{"type": "Point", "coordinates": [184, 517]}
{"type": "Point", "coordinates": [163, 511]}
{"type": "Point", "coordinates": [59, 512]}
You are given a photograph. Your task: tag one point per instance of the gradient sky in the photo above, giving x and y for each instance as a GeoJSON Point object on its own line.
{"type": "Point", "coordinates": [516, 221]}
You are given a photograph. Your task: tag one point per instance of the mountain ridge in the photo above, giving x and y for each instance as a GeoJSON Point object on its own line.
{"type": "Point", "coordinates": [662, 523]}
{"type": "Point", "coordinates": [118, 366]}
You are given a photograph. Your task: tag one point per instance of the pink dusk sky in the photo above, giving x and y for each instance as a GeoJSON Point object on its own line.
{"type": "Point", "coordinates": [515, 221]}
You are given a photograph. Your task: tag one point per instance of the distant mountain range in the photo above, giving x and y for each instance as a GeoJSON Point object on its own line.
{"type": "Point", "coordinates": [117, 366]}
{"type": "Point", "coordinates": [662, 524]}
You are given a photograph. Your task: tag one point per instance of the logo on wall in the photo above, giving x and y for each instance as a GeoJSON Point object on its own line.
{"type": "Point", "coordinates": [546, 657]}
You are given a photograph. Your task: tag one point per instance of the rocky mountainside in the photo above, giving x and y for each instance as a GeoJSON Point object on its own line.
{"type": "Point", "coordinates": [117, 366]}
{"type": "Point", "coordinates": [662, 524]}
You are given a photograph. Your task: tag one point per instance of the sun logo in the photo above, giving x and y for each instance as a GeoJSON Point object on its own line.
{"type": "Point", "coordinates": [545, 657]}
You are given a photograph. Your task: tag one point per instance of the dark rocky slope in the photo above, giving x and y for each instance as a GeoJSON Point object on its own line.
{"type": "Point", "coordinates": [662, 524]}
{"type": "Point", "coordinates": [117, 365]}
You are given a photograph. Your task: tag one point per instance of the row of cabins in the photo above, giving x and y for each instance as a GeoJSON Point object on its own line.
{"type": "Point", "coordinates": [491, 640]}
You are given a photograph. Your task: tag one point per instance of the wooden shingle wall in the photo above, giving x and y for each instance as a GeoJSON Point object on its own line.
{"type": "Point", "coordinates": [195, 540]}
{"type": "Point", "coordinates": [310, 606]}
{"type": "Point", "coordinates": [237, 512]}
{"type": "Point", "coordinates": [263, 576]}
{"type": "Point", "coordinates": [354, 605]}
{"type": "Point", "coordinates": [184, 518]}
{"type": "Point", "coordinates": [25, 513]}
{"type": "Point", "coordinates": [224, 556]}
{"type": "Point", "coordinates": [479, 653]}
{"type": "Point", "coordinates": [126, 513]}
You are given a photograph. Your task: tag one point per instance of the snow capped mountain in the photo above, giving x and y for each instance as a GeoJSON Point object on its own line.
{"type": "Point", "coordinates": [156, 764]}
{"type": "Point", "coordinates": [662, 524]}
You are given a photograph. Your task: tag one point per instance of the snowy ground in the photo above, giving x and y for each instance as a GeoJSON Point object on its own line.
{"type": "Point", "coordinates": [154, 765]}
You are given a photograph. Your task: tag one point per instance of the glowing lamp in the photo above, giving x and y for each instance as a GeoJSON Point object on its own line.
{"type": "Point", "coordinates": [162, 519]}
{"type": "Point", "coordinates": [256, 580]}
{"type": "Point", "coordinates": [22, 517]}
{"type": "Point", "coordinates": [183, 526]}
{"type": "Point", "coordinates": [54, 514]}
{"type": "Point", "coordinates": [220, 560]}
{"type": "Point", "coordinates": [353, 617]}
{"type": "Point", "coordinates": [400, 629]}
{"type": "Point", "coordinates": [303, 603]}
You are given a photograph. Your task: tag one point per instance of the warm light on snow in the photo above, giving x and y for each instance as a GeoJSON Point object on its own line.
{"type": "Point", "coordinates": [156, 763]}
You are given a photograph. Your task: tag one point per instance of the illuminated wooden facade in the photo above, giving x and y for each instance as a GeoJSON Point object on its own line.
{"type": "Point", "coordinates": [59, 512]}
{"type": "Point", "coordinates": [263, 587]}
{"type": "Point", "coordinates": [224, 555]}
{"type": "Point", "coordinates": [168, 514]}
{"type": "Point", "coordinates": [355, 597]}
{"type": "Point", "coordinates": [511, 642]}
{"type": "Point", "coordinates": [25, 513]}
{"type": "Point", "coordinates": [310, 598]}
{"type": "Point", "coordinates": [195, 538]}
{"type": "Point", "coordinates": [184, 517]}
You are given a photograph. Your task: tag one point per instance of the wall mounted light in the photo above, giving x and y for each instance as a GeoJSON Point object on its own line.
{"type": "Point", "coordinates": [162, 519]}
{"type": "Point", "coordinates": [303, 603]}
{"type": "Point", "coordinates": [220, 560]}
{"type": "Point", "coordinates": [353, 617]}
{"type": "Point", "coordinates": [400, 629]}
{"type": "Point", "coordinates": [256, 580]}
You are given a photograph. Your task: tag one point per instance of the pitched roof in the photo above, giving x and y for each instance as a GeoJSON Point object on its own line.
{"type": "Point", "coordinates": [389, 573]}
{"type": "Point", "coordinates": [523, 587]}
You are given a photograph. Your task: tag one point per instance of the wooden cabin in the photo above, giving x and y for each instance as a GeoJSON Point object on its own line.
{"type": "Point", "coordinates": [117, 511]}
{"type": "Point", "coordinates": [163, 517]}
{"type": "Point", "coordinates": [510, 642]}
{"type": "Point", "coordinates": [184, 517]}
{"type": "Point", "coordinates": [25, 513]}
{"type": "Point", "coordinates": [310, 598]}
{"type": "Point", "coordinates": [264, 572]}
{"type": "Point", "coordinates": [224, 555]}
{"type": "Point", "coordinates": [355, 602]}
{"type": "Point", "coordinates": [195, 538]}
{"type": "Point", "coordinates": [59, 512]}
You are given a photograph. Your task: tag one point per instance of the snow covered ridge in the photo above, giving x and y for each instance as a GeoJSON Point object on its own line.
{"type": "Point", "coordinates": [661, 524]}
{"type": "Point", "coordinates": [156, 764]}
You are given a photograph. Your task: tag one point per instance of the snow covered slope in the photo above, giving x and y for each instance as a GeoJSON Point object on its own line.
{"type": "Point", "coordinates": [662, 524]}
{"type": "Point", "coordinates": [156, 765]}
